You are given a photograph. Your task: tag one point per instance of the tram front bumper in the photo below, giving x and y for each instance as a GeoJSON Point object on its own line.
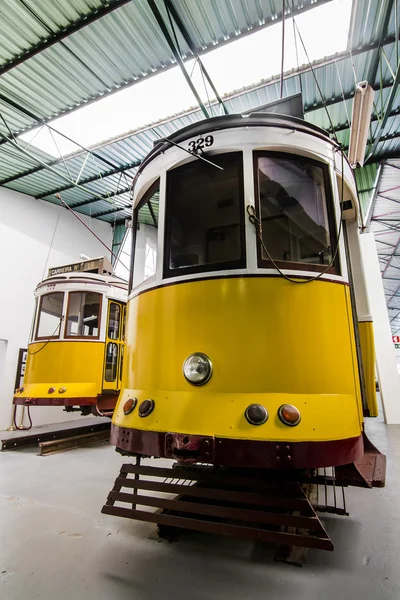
{"type": "Point", "coordinates": [56, 394]}
{"type": "Point", "coordinates": [190, 448]}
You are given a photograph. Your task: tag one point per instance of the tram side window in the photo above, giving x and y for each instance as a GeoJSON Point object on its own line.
{"type": "Point", "coordinates": [50, 313]}
{"type": "Point", "coordinates": [113, 321]}
{"type": "Point", "coordinates": [83, 319]}
{"type": "Point", "coordinates": [296, 213]}
{"type": "Point", "coordinates": [146, 236]}
{"type": "Point", "coordinates": [111, 361]}
{"type": "Point", "coordinates": [205, 216]}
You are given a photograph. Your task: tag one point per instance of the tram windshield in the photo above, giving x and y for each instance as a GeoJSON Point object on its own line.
{"type": "Point", "coordinates": [296, 218]}
{"type": "Point", "coordinates": [50, 313]}
{"type": "Point", "coordinates": [204, 216]}
{"type": "Point", "coordinates": [83, 314]}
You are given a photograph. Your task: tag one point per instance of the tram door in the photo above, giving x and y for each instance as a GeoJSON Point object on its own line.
{"type": "Point", "coordinates": [114, 346]}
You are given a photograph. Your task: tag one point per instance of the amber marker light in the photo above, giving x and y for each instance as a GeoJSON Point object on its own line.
{"type": "Point", "coordinates": [289, 415]}
{"type": "Point", "coordinates": [62, 390]}
{"type": "Point", "coordinates": [129, 405]}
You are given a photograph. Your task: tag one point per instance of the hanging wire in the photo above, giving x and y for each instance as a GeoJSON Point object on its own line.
{"type": "Point", "coordinates": [295, 45]}
{"type": "Point", "coordinates": [14, 418]}
{"type": "Point", "coordinates": [342, 92]}
{"type": "Point", "coordinates": [353, 66]}
{"type": "Point", "coordinates": [283, 47]}
{"type": "Point", "coordinates": [316, 80]}
{"type": "Point", "coordinates": [49, 339]}
{"type": "Point", "coordinates": [206, 89]}
{"type": "Point", "coordinates": [51, 245]}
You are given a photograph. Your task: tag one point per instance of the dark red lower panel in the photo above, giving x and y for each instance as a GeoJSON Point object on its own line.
{"type": "Point", "coordinates": [234, 452]}
{"type": "Point", "coordinates": [103, 402]}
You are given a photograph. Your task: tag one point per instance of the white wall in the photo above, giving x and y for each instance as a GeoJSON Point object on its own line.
{"type": "Point", "coordinates": [27, 227]}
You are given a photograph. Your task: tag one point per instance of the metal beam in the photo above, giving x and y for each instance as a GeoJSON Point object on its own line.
{"type": "Point", "coordinates": [373, 68]}
{"type": "Point", "coordinates": [388, 108]}
{"type": "Point", "coordinates": [154, 9]}
{"type": "Point", "coordinates": [39, 122]}
{"type": "Point", "coordinates": [62, 34]}
{"type": "Point", "coordinates": [65, 177]}
{"type": "Point", "coordinates": [371, 207]}
{"type": "Point", "coordinates": [100, 175]}
{"type": "Point", "coordinates": [97, 177]}
{"type": "Point", "coordinates": [111, 211]}
{"type": "Point", "coordinates": [181, 26]}
{"type": "Point", "coordinates": [98, 198]}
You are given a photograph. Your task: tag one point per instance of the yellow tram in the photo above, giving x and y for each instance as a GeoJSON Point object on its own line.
{"type": "Point", "coordinates": [249, 340]}
{"type": "Point", "coordinates": [76, 347]}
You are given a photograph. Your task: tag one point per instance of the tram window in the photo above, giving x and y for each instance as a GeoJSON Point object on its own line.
{"type": "Point", "coordinates": [83, 314]}
{"type": "Point", "coordinates": [205, 216]}
{"type": "Point", "coordinates": [113, 321]}
{"type": "Point", "coordinates": [50, 313]}
{"type": "Point", "coordinates": [296, 213]}
{"type": "Point", "coordinates": [146, 237]}
{"type": "Point", "coordinates": [111, 361]}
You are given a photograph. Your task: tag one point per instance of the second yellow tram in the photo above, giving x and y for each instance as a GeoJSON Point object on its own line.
{"type": "Point", "coordinates": [76, 349]}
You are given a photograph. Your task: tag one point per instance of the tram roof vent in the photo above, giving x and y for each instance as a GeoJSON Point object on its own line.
{"type": "Point", "coordinates": [100, 266]}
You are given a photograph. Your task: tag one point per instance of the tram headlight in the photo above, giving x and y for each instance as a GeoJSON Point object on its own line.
{"type": "Point", "coordinates": [289, 415]}
{"type": "Point", "coordinates": [197, 368]}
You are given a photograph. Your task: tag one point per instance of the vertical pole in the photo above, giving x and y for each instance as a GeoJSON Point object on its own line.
{"type": "Point", "coordinates": [283, 45]}
{"type": "Point", "coordinates": [389, 383]}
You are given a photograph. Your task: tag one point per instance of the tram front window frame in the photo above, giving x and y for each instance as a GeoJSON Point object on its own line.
{"type": "Point", "coordinates": [326, 206]}
{"type": "Point", "coordinates": [145, 224]}
{"type": "Point", "coordinates": [217, 229]}
{"type": "Point", "coordinates": [69, 321]}
{"type": "Point", "coordinates": [54, 335]}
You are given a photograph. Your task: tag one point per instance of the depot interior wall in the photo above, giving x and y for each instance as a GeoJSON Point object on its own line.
{"type": "Point", "coordinates": [34, 235]}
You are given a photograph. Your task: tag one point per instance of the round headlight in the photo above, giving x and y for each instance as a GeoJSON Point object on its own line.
{"type": "Point", "coordinates": [289, 415]}
{"type": "Point", "coordinates": [197, 368]}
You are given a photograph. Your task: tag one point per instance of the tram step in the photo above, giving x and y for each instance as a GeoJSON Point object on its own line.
{"type": "Point", "coordinates": [369, 471]}
{"type": "Point", "coordinates": [220, 501]}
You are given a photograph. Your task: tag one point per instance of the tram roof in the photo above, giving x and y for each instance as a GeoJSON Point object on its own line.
{"type": "Point", "coordinates": [231, 121]}
{"type": "Point", "coordinates": [65, 278]}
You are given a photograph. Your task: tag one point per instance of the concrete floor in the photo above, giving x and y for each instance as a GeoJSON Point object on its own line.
{"type": "Point", "coordinates": [56, 545]}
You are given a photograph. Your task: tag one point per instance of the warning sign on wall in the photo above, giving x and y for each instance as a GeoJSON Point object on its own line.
{"type": "Point", "coordinates": [396, 341]}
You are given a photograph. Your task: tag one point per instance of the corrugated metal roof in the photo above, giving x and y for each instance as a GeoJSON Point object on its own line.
{"type": "Point", "coordinates": [135, 145]}
{"type": "Point", "coordinates": [122, 47]}
{"type": "Point", "coordinates": [126, 45]}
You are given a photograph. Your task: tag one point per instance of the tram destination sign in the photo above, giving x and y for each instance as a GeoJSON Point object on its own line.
{"type": "Point", "coordinates": [96, 265]}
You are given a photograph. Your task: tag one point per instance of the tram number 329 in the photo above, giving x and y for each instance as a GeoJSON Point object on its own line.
{"type": "Point", "coordinates": [201, 143]}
